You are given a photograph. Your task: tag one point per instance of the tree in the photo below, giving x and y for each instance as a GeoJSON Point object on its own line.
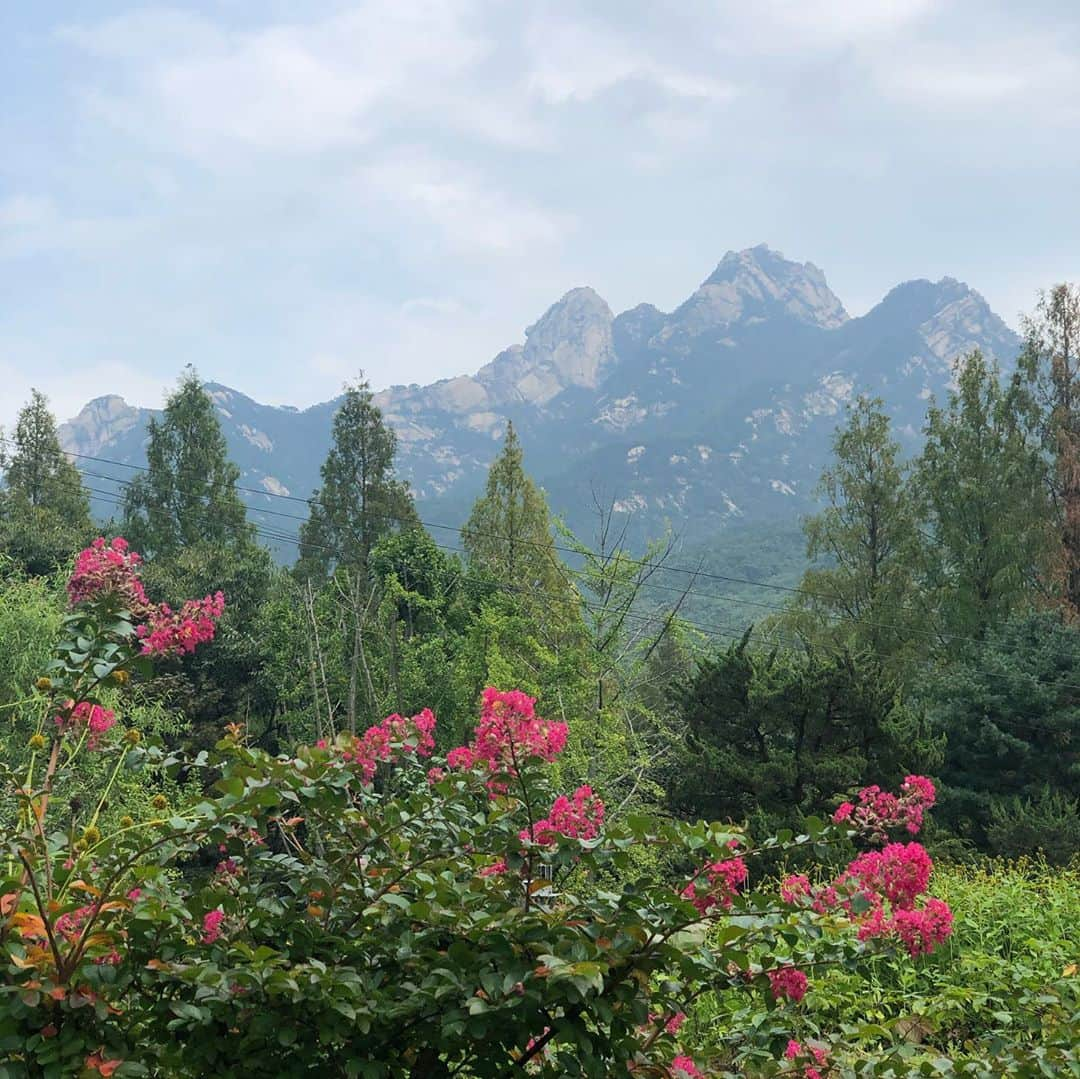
{"type": "Point", "coordinates": [44, 511]}
{"type": "Point", "coordinates": [769, 733]}
{"type": "Point", "coordinates": [1010, 710]}
{"type": "Point", "coordinates": [188, 494]}
{"type": "Point", "coordinates": [864, 539]}
{"type": "Point", "coordinates": [360, 500]}
{"type": "Point", "coordinates": [508, 535]}
{"type": "Point", "coordinates": [1050, 366]}
{"type": "Point", "coordinates": [980, 483]}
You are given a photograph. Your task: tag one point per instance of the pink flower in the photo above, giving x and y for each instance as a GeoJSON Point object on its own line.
{"type": "Point", "coordinates": [169, 633]}
{"type": "Point", "coordinates": [108, 570]}
{"type": "Point", "coordinates": [434, 775]}
{"type": "Point", "coordinates": [878, 810]}
{"type": "Point", "coordinates": [395, 736]}
{"type": "Point", "coordinates": [716, 885]}
{"type": "Point", "coordinates": [86, 716]}
{"type": "Point", "coordinates": [674, 1024]}
{"type": "Point", "coordinates": [496, 869]}
{"type": "Point", "coordinates": [461, 758]}
{"type": "Point", "coordinates": [793, 1050]}
{"type": "Point", "coordinates": [795, 887]}
{"type": "Point", "coordinates": [843, 812]}
{"type": "Point", "coordinates": [788, 983]}
{"type": "Point", "coordinates": [212, 925]}
{"type": "Point", "coordinates": [134, 894]}
{"type": "Point", "coordinates": [687, 1067]}
{"type": "Point", "coordinates": [921, 931]}
{"type": "Point", "coordinates": [899, 872]}
{"type": "Point", "coordinates": [579, 818]}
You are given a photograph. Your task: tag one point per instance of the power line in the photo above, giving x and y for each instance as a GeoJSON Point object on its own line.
{"type": "Point", "coordinates": [709, 630]}
{"type": "Point", "coordinates": [641, 563]}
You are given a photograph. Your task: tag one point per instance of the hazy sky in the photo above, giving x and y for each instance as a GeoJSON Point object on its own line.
{"type": "Point", "coordinates": [285, 192]}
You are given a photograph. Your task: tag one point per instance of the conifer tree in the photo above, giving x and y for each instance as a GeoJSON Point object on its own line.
{"type": "Point", "coordinates": [188, 494]}
{"type": "Point", "coordinates": [1050, 365]}
{"type": "Point", "coordinates": [360, 499]}
{"type": "Point", "coordinates": [508, 535]}
{"type": "Point", "coordinates": [44, 511]}
{"type": "Point", "coordinates": [36, 471]}
{"type": "Point", "coordinates": [980, 482]}
{"type": "Point", "coordinates": [864, 538]}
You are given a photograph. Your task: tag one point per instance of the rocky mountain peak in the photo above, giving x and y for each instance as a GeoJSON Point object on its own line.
{"type": "Point", "coordinates": [98, 423]}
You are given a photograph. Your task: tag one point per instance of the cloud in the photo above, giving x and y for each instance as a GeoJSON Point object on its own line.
{"type": "Point", "coordinates": [576, 60]}
{"type": "Point", "coordinates": [286, 88]}
{"type": "Point", "coordinates": [471, 216]}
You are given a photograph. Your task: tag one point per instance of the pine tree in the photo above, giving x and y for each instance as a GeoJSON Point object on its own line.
{"type": "Point", "coordinates": [864, 538]}
{"type": "Point", "coordinates": [188, 494]}
{"type": "Point", "coordinates": [360, 500]}
{"type": "Point", "coordinates": [1050, 365]}
{"type": "Point", "coordinates": [508, 535]}
{"type": "Point", "coordinates": [981, 485]}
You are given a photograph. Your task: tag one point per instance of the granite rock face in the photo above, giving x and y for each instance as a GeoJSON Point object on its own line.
{"type": "Point", "coordinates": [721, 411]}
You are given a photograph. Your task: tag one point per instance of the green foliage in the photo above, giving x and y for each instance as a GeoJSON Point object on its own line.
{"type": "Point", "coordinates": [770, 735]}
{"type": "Point", "coordinates": [359, 500]}
{"type": "Point", "coordinates": [44, 511]}
{"type": "Point", "coordinates": [1010, 711]}
{"type": "Point", "coordinates": [864, 539]}
{"type": "Point", "coordinates": [188, 495]}
{"type": "Point", "coordinates": [981, 485]}
{"type": "Point", "coordinates": [1001, 997]}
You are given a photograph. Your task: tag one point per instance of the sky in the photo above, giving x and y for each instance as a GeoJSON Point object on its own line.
{"type": "Point", "coordinates": [285, 193]}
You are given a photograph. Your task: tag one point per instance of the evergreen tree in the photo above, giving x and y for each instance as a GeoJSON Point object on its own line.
{"type": "Point", "coordinates": [1010, 710]}
{"type": "Point", "coordinates": [508, 536]}
{"type": "Point", "coordinates": [769, 734]}
{"type": "Point", "coordinates": [980, 482]}
{"type": "Point", "coordinates": [188, 494]}
{"type": "Point", "coordinates": [1050, 365]}
{"type": "Point", "coordinates": [36, 471]}
{"type": "Point", "coordinates": [44, 511]}
{"type": "Point", "coordinates": [864, 539]}
{"type": "Point", "coordinates": [360, 500]}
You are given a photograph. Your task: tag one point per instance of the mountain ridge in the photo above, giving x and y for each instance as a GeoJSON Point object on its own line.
{"type": "Point", "coordinates": [718, 412]}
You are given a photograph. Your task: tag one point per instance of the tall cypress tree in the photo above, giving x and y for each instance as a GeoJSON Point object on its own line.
{"type": "Point", "coordinates": [188, 494]}
{"type": "Point", "coordinates": [360, 499]}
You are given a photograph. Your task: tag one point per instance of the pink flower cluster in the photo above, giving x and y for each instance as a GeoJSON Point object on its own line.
{"type": "Point", "coordinates": [69, 925]}
{"type": "Point", "coordinates": [819, 1056]}
{"type": "Point", "coordinates": [788, 983]}
{"type": "Point", "coordinates": [878, 810]}
{"type": "Point", "coordinates": [86, 716]}
{"type": "Point", "coordinates": [880, 889]}
{"type": "Point", "coordinates": [383, 740]}
{"type": "Point", "coordinates": [212, 925]}
{"type": "Point", "coordinates": [685, 1066]}
{"type": "Point", "coordinates": [716, 885]}
{"type": "Point", "coordinates": [175, 633]}
{"type": "Point", "coordinates": [580, 817]}
{"type": "Point", "coordinates": [112, 569]}
{"type": "Point", "coordinates": [509, 733]}
{"type": "Point", "coordinates": [109, 569]}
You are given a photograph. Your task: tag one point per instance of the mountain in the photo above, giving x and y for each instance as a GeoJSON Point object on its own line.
{"type": "Point", "coordinates": [719, 413]}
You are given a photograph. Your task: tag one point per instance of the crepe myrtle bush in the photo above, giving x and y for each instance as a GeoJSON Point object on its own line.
{"type": "Point", "coordinates": [361, 909]}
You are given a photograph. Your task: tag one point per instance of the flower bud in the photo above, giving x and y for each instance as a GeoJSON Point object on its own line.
{"type": "Point", "coordinates": [159, 801]}
{"type": "Point", "coordinates": [91, 835]}
{"type": "Point", "coordinates": [37, 741]}
{"type": "Point", "coordinates": [44, 683]}
{"type": "Point", "coordinates": [120, 677]}
{"type": "Point", "coordinates": [127, 822]}
{"type": "Point", "coordinates": [132, 737]}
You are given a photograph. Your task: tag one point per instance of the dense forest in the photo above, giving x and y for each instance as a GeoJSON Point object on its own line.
{"type": "Point", "coordinates": [261, 732]}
